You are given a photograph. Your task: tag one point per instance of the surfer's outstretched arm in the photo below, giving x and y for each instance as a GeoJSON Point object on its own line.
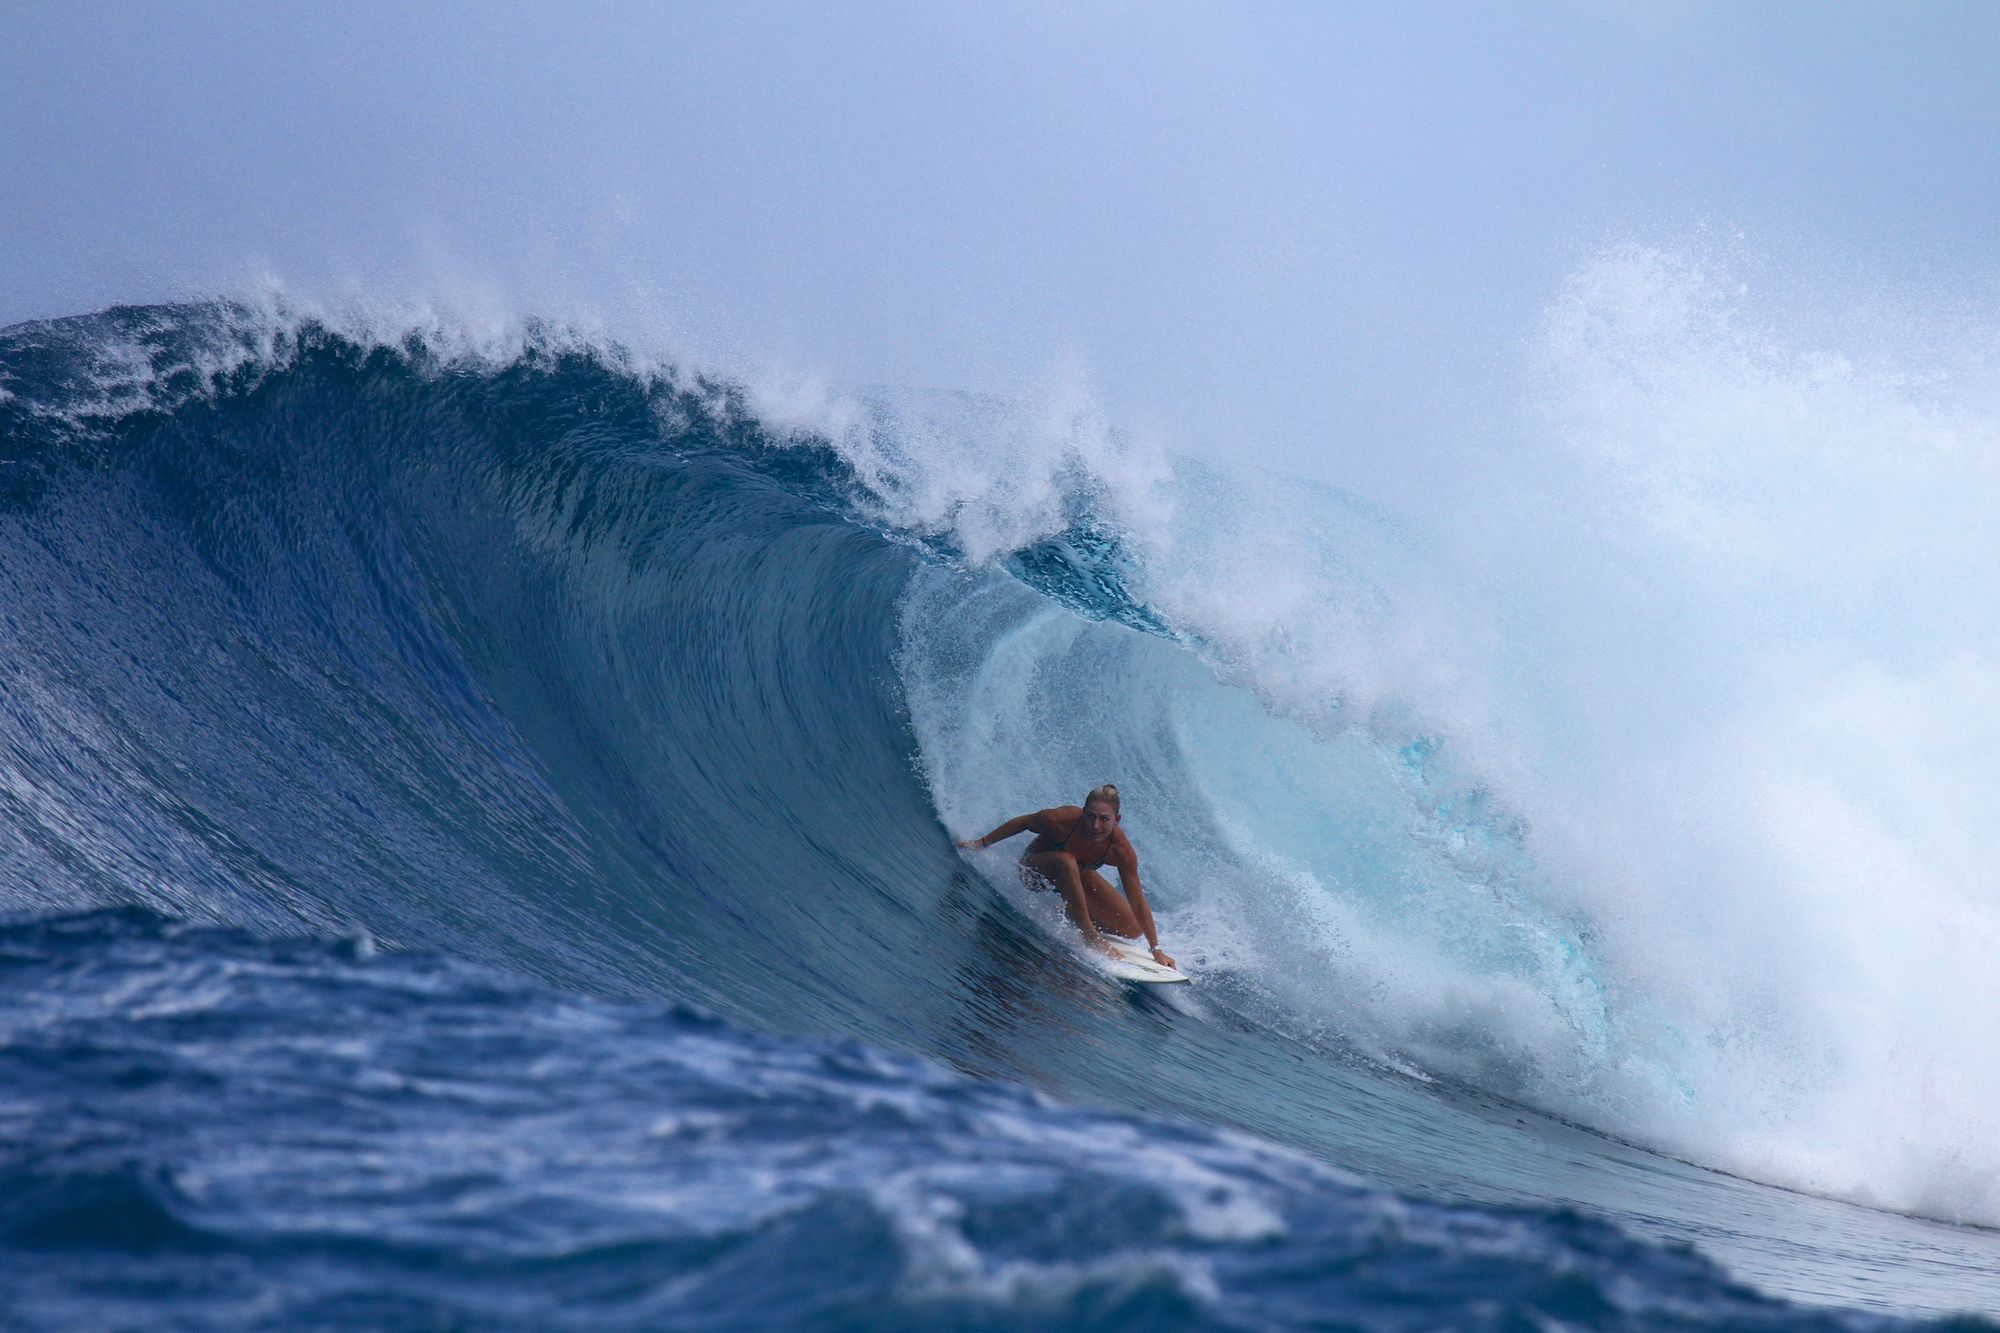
{"type": "Point", "coordinates": [1018, 824]}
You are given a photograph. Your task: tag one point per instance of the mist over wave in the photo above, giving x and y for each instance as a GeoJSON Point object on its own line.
{"type": "Point", "coordinates": [1652, 808]}
{"type": "Point", "coordinates": [1650, 791]}
{"type": "Point", "coordinates": [1761, 709]}
{"type": "Point", "coordinates": [1654, 800]}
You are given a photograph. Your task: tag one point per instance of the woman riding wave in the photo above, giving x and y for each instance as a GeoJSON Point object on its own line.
{"type": "Point", "coordinates": [1072, 843]}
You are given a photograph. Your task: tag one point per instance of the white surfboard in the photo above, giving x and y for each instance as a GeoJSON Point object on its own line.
{"type": "Point", "coordinates": [1135, 963]}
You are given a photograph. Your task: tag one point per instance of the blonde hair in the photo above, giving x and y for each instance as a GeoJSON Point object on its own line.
{"type": "Point", "coordinates": [1108, 794]}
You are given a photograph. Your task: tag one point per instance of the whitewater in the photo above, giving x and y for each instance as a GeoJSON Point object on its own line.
{"type": "Point", "coordinates": [477, 802]}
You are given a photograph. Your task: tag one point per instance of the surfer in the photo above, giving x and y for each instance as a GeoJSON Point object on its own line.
{"type": "Point", "coordinates": [1072, 843]}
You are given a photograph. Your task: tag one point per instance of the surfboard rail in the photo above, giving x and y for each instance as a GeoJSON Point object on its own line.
{"type": "Point", "coordinates": [1135, 963]}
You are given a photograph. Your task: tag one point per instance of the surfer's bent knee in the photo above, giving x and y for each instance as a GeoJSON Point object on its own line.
{"type": "Point", "coordinates": [1039, 869]}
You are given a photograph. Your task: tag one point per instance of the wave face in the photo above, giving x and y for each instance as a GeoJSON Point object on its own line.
{"type": "Point", "coordinates": [648, 686]}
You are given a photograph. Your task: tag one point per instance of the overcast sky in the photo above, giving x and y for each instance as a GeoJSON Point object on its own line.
{"type": "Point", "coordinates": [1325, 230]}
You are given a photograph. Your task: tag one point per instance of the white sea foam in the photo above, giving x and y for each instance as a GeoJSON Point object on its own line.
{"type": "Point", "coordinates": [1770, 569]}
{"type": "Point", "coordinates": [1662, 804]}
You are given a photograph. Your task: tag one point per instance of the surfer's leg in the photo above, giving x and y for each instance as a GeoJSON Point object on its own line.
{"type": "Point", "coordinates": [1059, 868]}
{"type": "Point", "coordinates": [1108, 907]}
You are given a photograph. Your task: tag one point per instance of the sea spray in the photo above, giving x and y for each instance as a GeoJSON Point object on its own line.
{"type": "Point", "coordinates": [1649, 792]}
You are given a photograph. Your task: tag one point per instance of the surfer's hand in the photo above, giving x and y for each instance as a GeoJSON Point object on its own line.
{"type": "Point", "coordinates": [969, 845]}
{"type": "Point", "coordinates": [1161, 957]}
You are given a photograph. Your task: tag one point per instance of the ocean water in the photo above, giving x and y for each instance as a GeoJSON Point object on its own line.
{"type": "Point", "coordinates": [476, 825]}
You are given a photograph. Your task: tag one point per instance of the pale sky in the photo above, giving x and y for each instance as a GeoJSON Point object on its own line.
{"type": "Point", "coordinates": [1317, 231]}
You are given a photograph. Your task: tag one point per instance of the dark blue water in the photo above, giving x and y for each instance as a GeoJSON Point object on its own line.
{"type": "Point", "coordinates": [397, 751]}
{"type": "Point", "coordinates": [209, 1127]}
